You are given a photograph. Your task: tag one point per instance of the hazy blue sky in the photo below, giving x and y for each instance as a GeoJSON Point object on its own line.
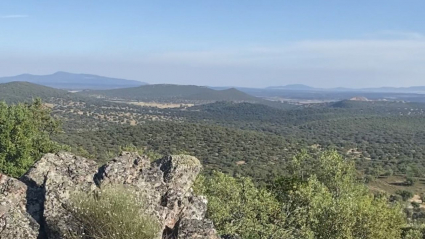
{"type": "Point", "coordinates": [323, 43]}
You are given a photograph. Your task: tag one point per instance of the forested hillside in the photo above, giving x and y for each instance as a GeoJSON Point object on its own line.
{"type": "Point", "coordinates": [256, 154]}
{"type": "Point", "coordinates": [173, 93]}
{"type": "Point", "coordinates": [281, 151]}
{"type": "Point", "coordinates": [15, 92]}
{"type": "Point", "coordinates": [384, 138]}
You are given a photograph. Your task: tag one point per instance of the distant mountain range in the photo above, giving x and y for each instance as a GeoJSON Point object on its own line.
{"type": "Point", "coordinates": [70, 81]}
{"type": "Point", "coordinates": [291, 87]}
{"type": "Point", "coordinates": [301, 87]}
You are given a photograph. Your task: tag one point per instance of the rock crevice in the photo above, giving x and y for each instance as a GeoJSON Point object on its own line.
{"type": "Point", "coordinates": [35, 206]}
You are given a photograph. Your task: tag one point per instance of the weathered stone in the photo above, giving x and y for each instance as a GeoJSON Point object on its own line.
{"type": "Point", "coordinates": [41, 199]}
{"type": "Point", "coordinates": [165, 184]}
{"type": "Point", "coordinates": [192, 228]}
{"type": "Point", "coordinates": [59, 175]}
{"type": "Point", "coordinates": [15, 222]}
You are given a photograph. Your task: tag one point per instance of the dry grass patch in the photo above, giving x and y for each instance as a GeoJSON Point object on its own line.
{"type": "Point", "coordinates": [115, 212]}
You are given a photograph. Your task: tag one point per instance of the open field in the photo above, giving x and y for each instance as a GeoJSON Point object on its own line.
{"type": "Point", "coordinates": [156, 104]}
{"type": "Point", "coordinates": [392, 184]}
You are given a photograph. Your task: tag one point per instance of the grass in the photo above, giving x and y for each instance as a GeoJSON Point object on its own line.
{"type": "Point", "coordinates": [392, 184]}
{"type": "Point", "coordinates": [114, 212]}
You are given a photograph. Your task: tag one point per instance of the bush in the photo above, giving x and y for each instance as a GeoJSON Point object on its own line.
{"type": "Point", "coordinates": [325, 200]}
{"type": "Point", "coordinates": [322, 198]}
{"type": "Point", "coordinates": [416, 205]}
{"type": "Point", "coordinates": [406, 195]}
{"type": "Point", "coordinates": [25, 131]}
{"type": "Point", "coordinates": [413, 233]}
{"type": "Point", "coordinates": [409, 181]}
{"type": "Point", "coordinates": [115, 212]}
{"type": "Point", "coordinates": [237, 207]}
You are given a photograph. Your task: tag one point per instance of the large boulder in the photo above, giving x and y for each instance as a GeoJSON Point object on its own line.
{"type": "Point", "coordinates": [57, 176]}
{"type": "Point", "coordinates": [15, 222]}
{"type": "Point", "coordinates": [165, 183]}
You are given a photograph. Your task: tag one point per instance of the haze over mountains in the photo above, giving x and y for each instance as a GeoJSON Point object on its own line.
{"type": "Point", "coordinates": [302, 87]}
{"type": "Point", "coordinates": [70, 81]}
{"type": "Point", "coordinates": [411, 89]}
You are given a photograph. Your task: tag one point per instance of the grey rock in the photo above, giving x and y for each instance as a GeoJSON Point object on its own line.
{"type": "Point", "coordinates": [165, 184]}
{"type": "Point", "coordinates": [59, 175]}
{"type": "Point", "coordinates": [15, 222]}
{"type": "Point", "coordinates": [192, 228]}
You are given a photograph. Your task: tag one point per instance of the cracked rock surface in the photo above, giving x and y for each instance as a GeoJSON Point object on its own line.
{"type": "Point", "coordinates": [36, 205]}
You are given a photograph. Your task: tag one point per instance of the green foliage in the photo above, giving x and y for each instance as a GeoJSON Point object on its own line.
{"type": "Point", "coordinates": [384, 137]}
{"type": "Point", "coordinates": [321, 199]}
{"type": "Point", "coordinates": [328, 202]}
{"type": "Point", "coordinates": [236, 206]}
{"type": "Point", "coordinates": [25, 131]}
{"type": "Point", "coordinates": [415, 205]}
{"type": "Point", "coordinates": [113, 213]}
{"type": "Point", "coordinates": [15, 92]}
{"type": "Point", "coordinates": [406, 195]}
{"type": "Point", "coordinates": [410, 181]}
{"type": "Point", "coordinates": [415, 232]}
{"type": "Point", "coordinates": [173, 93]}
{"type": "Point", "coordinates": [348, 212]}
{"type": "Point", "coordinates": [217, 147]}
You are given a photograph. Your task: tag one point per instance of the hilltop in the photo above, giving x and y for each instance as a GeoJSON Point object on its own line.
{"type": "Point", "coordinates": [14, 92]}
{"type": "Point", "coordinates": [175, 93]}
{"type": "Point", "coordinates": [70, 81]}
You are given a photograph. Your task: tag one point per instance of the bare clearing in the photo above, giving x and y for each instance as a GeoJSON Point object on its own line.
{"type": "Point", "coordinates": [156, 104]}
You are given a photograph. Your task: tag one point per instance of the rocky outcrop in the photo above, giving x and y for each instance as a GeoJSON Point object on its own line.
{"type": "Point", "coordinates": [15, 222]}
{"type": "Point", "coordinates": [37, 205]}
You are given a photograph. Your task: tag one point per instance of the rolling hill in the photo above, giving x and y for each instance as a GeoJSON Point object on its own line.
{"type": "Point", "coordinates": [70, 81]}
{"type": "Point", "coordinates": [14, 92]}
{"type": "Point", "coordinates": [177, 93]}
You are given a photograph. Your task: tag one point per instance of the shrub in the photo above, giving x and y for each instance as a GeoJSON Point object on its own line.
{"type": "Point", "coordinates": [416, 205]}
{"type": "Point", "coordinates": [406, 195]}
{"type": "Point", "coordinates": [327, 201]}
{"type": "Point", "coordinates": [322, 198]}
{"type": "Point", "coordinates": [413, 233]}
{"type": "Point", "coordinates": [237, 207]}
{"type": "Point", "coordinates": [409, 181]}
{"type": "Point", "coordinates": [25, 131]}
{"type": "Point", "coordinates": [115, 212]}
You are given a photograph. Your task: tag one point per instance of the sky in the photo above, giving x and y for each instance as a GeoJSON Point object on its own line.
{"type": "Point", "coordinates": [332, 43]}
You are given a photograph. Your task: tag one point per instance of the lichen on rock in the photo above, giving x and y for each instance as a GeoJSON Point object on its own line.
{"type": "Point", "coordinates": [165, 183]}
